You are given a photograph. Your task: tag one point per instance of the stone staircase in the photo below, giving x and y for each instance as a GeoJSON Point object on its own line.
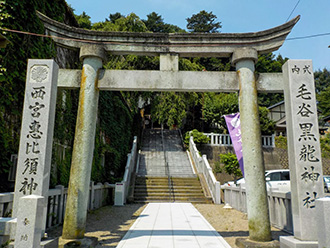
{"type": "Point", "coordinates": [165, 173]}
{"type": "Point", "coordinates": [157, 189]}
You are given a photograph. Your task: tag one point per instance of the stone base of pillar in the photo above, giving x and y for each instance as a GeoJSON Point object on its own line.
{"type": "Point", "coordinates": [83, 243]}
{"type": "Point", "coordinates": [246, 243]}
{"type": "Point", "coordinates": [292, 242]}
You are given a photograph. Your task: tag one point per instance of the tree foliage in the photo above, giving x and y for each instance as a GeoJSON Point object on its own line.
{"type": "Point", "coordinates": [267, 63]}
{"type": "Point", "coordinates": [322, 80]}
{"type": "Point", "coordinates": [117, 22]}
{"type": "Point", "coordinates": [84, 20]}
{"type": "Point", "coordinates": [218, 104]}
{"type": "Point", "coordinates": [20, 15]}
{"type": "Point", "coordinates": [199, 137]}
{"type": "Point", "coordinates": [203, 22]}
{"type": "Point", "coordinates": [322, 87]}
{"type": "Point", "coordinates": [230, 165]}
{"type": "Point", "coordinates": [156, 24]}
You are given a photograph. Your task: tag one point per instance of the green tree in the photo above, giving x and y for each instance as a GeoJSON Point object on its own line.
{"type": "Point", "coordinates": [155, 23]}
{"type": "Point", "coordinates": [169, 108]}
{"type": "Point", "coordinates": [323, 101]}
{"type": "Point", "coordinates": [114, 17]}
{"type": "Point", "coordinates": [20, 15]}
{"type": "Point", "coordinates": [203, 22]}
{"type": "Point", "coordinates": [267, 63]}
{"type": "Point", "coordinates": [322, 80]}
{"type": "Point", "coordinates": [84, 20]}
{"type": "Point", "coordinates": [218, 104]}
{"type": "Point", "coordinates": [267, 125]}
{"type": "Point", "coordinates": [199, 137]}
{"type": "Point", "coordinates": [130, 23]}
{"type": "Point", "coordinates": [230, 165]}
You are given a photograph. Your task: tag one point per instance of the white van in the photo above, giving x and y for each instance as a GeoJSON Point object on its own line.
{"type": "Point", "coordinates": [275, 179]}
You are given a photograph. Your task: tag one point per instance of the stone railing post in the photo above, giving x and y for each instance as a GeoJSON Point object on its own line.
{"type": "Point", "coordinates": [61, 203]}
{"type": "Point", "coordinates": [254, 168]}
{"type": "Point", "coordinates": [83, 148]}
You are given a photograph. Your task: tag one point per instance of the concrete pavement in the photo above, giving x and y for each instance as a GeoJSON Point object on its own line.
{"type": "Point", "coordinates": [172, 225]}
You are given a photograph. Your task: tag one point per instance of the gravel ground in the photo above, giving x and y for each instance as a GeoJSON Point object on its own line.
{"type": "Point", "coordinates": [109, 224]}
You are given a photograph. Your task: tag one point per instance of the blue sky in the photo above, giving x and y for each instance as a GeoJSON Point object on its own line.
{"type": "Point", "coordinates": [236, 16]}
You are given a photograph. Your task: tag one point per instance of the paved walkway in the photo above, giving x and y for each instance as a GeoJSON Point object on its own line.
{"type": "Point", "coordinates": [172, 225]}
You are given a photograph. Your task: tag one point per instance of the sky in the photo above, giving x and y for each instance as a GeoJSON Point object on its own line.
{"type": "Point", "coordinates": [236, 16]}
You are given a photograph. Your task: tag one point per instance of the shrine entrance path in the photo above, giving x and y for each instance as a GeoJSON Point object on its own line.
{"type": "Point", "coordinates": [172, 225]}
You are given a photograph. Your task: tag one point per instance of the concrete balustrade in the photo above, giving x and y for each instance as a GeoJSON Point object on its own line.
{"type": "Point", "coordinates": [57, 200]}
{"type": "Point", "coordinates": [203, 166]}
{"type": "Point", "coordinates": [122, 188]}
{"type": "Point", "coordinates": [279, 202]}
{"type": "Point", "coordinates": [217, 139]}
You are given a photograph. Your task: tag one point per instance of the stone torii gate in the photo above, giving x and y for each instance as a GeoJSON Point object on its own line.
{"type": "Point", "coordinates": [243, 49]}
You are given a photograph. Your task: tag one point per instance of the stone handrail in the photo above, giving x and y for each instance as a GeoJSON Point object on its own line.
{"type": "Point", "coordinates": [121, 190]}
{"type": "Point", "coordinates": [279, 202]}
{"type": "Point", "coordinates": [99, 196]}
{"type": "Point", "coordinates": [217, 139]}
{"type": "Point", "coordinates": [203, 166]}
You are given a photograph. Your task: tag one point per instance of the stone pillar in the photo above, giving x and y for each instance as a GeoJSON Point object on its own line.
{"type": "Point", "coordinates": [83, 148]}
{"type": "Point", "coordinates": [254, 168]}
{"type": "Point", "coordinates": [36, 140]}
{"type": "Point", "coordinates": [304, 152]}
{"type": "Point", "coordinates": [29, 222]}
{"type": "Point", "coordinates": [323, 221]}
{"type": "Point", "coordinates": [169, 62]}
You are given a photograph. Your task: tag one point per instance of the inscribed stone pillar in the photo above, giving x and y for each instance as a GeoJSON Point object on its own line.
{"type": "Point", "coordinates": [254, 168]}
{"type": "Point", "coordinates": [29, 222]}
{"type": "Point", "coordinates": [83, 148]}
{"type": "Point", "coordinates": [303, 146]}
{"type": "Point", "coordinates": [36, 140]}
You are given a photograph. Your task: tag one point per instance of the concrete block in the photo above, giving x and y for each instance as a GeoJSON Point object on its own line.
{"type": "Point", "coordinates": [292, 242]}
{"type": "Point", "coordinates": [323, 221]}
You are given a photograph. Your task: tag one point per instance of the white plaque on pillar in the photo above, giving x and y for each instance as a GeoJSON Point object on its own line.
{"type": "Point", "coordinates": [35, 149]}
{"type": "Point", "coordinates": [303, 146]}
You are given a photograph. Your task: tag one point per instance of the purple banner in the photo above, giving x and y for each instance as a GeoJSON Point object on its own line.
{"type": "Point", "coordinates": [234, 127]}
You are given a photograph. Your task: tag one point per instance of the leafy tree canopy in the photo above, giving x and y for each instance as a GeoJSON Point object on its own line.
{"type": "Point", "coordinates": [84, 20]}
{"type": "Point", "coordinates": [230, 165]}
{"type": "Point", "coordinates": [268, 63]}
{"type": "Point", "coordinates": [322, 80]}
{"type": "Point", "coordinates": [203, 22]}
{"type": "Point", "coordinates": [155, 23]}
{"type": "Point", "coordinates": [130, 23]}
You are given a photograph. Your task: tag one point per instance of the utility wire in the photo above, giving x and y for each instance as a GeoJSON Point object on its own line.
{"type": "Point", "coordinates": [293, 10]}
{"type": "Point", "coordinates": [308, 36]}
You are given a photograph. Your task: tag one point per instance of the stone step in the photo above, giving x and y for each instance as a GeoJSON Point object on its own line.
{"type": "Point", "coordinates": [175, 199]}
{"type": "Point", "coordinates": [162, 188]}
{"type": "Point", "coordinates": [166, 194]}
{"type": "Point", "coordinates": [165, 180]}
{"type": "Point", "coordinates": [192, 201]}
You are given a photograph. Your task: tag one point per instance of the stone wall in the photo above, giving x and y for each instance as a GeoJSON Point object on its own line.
{"type": "Point", "coordinates": [275, 158]}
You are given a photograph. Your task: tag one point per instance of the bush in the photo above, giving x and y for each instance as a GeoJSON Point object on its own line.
{"type": "Point", "coordinates": [281, 142]}
{"type": "Point", "coordinates": [230, 165]}
{"type": "Point", "coordinates": [199, 137]}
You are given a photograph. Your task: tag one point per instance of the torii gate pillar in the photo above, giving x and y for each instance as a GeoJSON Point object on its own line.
{"type": "Point", "coordinates": [257, 205]}
{"type": "Point", "coordinates": [83, 148]}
